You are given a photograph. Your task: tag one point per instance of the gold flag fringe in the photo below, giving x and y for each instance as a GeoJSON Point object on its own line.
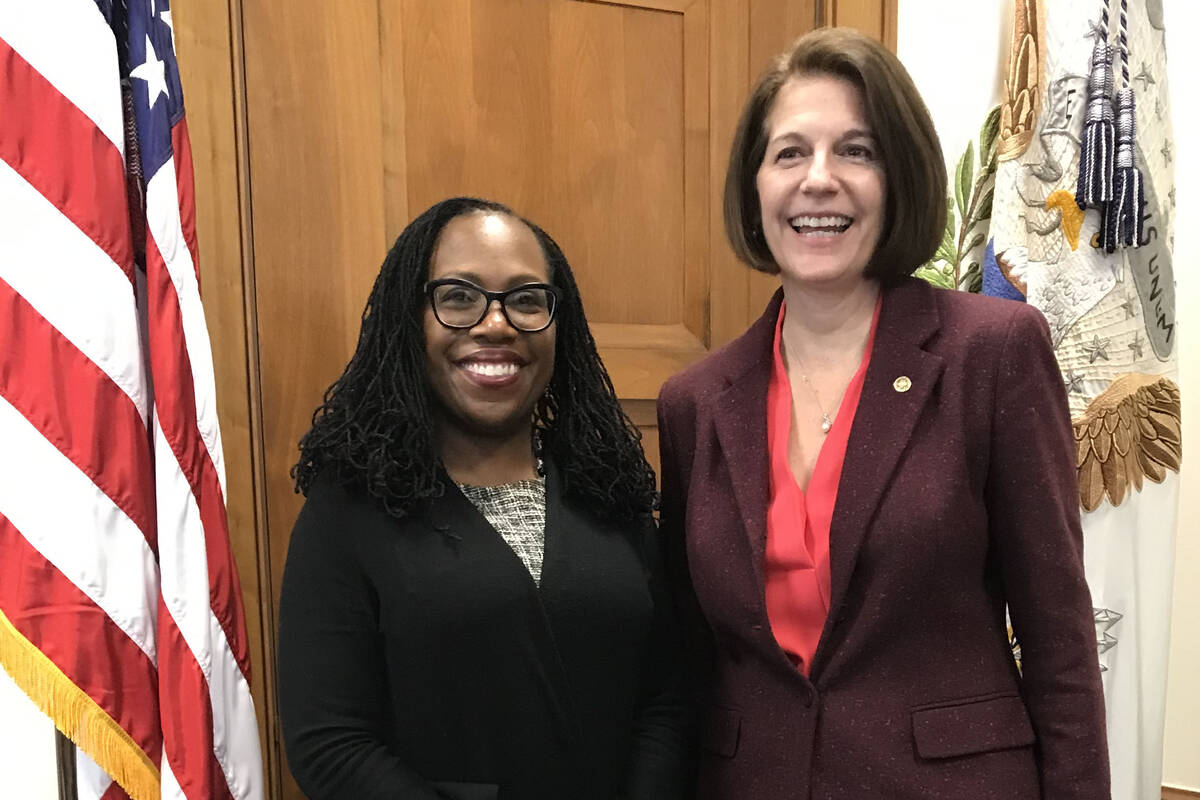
{"type": "Point", "coordinates": [77, 715]}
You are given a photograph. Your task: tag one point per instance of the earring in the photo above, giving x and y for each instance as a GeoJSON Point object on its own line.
{"type": "Point", "coordinates": [538, 462]}
{"type": "Point", "coordinates": [541, 418]}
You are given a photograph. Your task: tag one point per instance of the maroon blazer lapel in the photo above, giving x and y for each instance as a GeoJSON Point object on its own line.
{"type": "Point", "coordinates": [740, 417]}
{"type": "Point", "coordinates": [883, 424]}
{"type": "Point", "coordinates": [887, 415]}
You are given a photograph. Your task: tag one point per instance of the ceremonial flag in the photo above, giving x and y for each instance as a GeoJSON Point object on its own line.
{"type": "Point", "coordinates": [1086, 83]}
{"type": "Point", "coordinates": [120, 608]}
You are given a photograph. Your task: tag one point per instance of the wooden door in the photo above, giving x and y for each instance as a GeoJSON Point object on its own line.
{"type": "Point", "coordinates": [320, 129]}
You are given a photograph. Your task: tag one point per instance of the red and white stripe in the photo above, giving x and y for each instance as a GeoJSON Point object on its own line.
{"type": "Point", "coordinates": [208, 659]}
{"type": "Point", "coordinates": [116, 563]}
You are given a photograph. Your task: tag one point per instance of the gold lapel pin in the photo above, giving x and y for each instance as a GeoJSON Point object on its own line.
{"type": "Point", "coordinates": [902, 384]}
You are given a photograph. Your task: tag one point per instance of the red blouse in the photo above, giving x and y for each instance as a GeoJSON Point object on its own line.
{"type": "Point", "coordinates": [797, 552]}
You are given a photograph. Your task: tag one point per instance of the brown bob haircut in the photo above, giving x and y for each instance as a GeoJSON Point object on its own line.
{"type": "Point", "coordinates": [915, 206]}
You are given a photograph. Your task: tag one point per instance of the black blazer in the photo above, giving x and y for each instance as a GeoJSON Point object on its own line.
{"type": "Point", "coordinates": [418, 658]}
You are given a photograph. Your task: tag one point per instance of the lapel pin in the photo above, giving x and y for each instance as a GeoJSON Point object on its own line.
{"type": "Point", "coordinates": [902, 384]}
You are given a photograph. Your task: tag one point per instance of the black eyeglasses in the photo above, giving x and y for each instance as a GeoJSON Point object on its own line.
{"type": "Point", "coordinates": [459, 304]}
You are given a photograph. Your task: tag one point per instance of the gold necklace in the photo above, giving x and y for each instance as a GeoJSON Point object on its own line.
{"type": "Point", "coordinates": [826, 422]}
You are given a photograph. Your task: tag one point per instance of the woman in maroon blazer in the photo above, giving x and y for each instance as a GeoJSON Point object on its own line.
{"type": "Point", "coordinates": [858, 489]}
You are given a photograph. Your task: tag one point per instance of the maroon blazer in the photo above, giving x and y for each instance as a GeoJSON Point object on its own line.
{"type": "Point", "coordinates": [958, 496]}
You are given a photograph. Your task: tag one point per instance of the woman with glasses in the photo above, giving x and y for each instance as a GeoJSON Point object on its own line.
{"type": "Point", "coordinates": [472, 605]}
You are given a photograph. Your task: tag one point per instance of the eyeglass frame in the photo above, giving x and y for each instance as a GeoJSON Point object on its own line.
{"type": "Point", "coordinates": [491, 297]}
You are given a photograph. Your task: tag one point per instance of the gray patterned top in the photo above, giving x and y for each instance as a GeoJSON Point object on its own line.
{"type": "Point", "coordinates": [518, 512]}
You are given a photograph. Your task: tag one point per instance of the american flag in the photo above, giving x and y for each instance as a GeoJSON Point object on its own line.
{"type": "Point", "coordinates": [120, 608]}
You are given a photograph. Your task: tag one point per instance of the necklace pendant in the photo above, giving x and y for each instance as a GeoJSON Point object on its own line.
{"type": "Point", "coordinates": [826, 423]}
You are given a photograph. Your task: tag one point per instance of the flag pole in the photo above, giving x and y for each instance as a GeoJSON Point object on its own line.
{"type": "Point", "coordinates": [64, 756]}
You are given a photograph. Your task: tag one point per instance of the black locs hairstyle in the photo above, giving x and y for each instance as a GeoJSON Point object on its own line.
{"type": "Point", "coordinates": [375, 426]}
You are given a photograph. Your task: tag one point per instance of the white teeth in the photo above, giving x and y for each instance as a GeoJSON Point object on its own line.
{"type": "Point", "coordinates": [838, 222]}
{"type": "Point", "coordinates": [492, 369]}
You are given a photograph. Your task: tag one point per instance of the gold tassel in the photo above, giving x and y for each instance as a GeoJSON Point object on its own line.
{"type": "Point", "coordinates": [77, 715]}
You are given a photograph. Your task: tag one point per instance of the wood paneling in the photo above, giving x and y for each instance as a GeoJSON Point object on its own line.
{"type": "Point", "coordinates": [589, 118]}
{"type": "Point", "coordinates": [774, 24]}
{"type": "Point", "coordinates": [1170, 793]}
{"type": "Point", "coordinates": [729, 81]}
{"type": "Point", "coordinates": [872, 17]}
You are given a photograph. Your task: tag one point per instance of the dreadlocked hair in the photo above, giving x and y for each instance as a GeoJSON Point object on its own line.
{"type": "Point", "coordinates": [375, 426]}
{"type": "Point", "coordinates": [595, 445]}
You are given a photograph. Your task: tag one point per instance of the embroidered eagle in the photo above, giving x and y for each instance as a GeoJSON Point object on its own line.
{"type": "Point", "coordinates": [1130, 431]}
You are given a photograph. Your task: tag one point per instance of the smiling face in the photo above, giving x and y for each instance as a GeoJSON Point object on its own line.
{"type": "Point", "coordinates": [821, 186]}
{"type": "Point", "coordinates": [487, 379]}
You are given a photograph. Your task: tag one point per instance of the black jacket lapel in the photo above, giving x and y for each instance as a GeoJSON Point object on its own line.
{"type": "Point", "coordinates": [455, 518]}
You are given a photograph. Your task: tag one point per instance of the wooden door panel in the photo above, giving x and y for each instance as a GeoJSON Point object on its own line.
{"type": "Point", "coordinates": [873, 17]}
{"type": "Point", "coordinates": [315, 147]}
{"type": "Point", "coordinates": [774, 24]}
{"type": "Point", "coordinates": [578, 115]}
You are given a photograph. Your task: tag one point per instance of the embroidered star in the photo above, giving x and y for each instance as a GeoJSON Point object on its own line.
{"type": "Point", "coordinates": [1096, 348]}
{"type": "Point", "coordinates": [1166, 151]}
{"type": "Point", "coordinates": [1145, 77]}
{"type": "Point", "coordinates": [1158, 108]}
{"type": "Point", "coordinates": [1138, 346]}
{"type": "Point", "coordinates": [1171, 195]}
{"type": "Point", "coordinates": [1096, 32]}
{"type": "Point", "coordinates": [1073, 381]}
{"type": "Point", "coordinates": [1104, 619]}
{"type": "Point", "coordinates": [1130, 306]}
{"type": "Point", "coordinates": [153, 72]}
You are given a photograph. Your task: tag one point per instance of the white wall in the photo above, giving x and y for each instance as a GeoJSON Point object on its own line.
{"type": "Point", "coordinates": [27, 765]}
{"type": "Point", "coordinates": [1181, 745]}
{"type": "Point", "coordinates": [955, 52]}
